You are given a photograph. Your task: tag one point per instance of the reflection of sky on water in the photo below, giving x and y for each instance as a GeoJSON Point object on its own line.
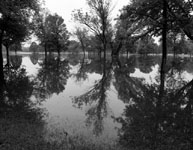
{"type": "Point", "coordinates": [149, 77]}
{"type": "Point", "coordinates": [187, 76]}
{"type": "Point", "coordinates": [31, 69]}
{"type": "Point", "coordinates": [63, 113]}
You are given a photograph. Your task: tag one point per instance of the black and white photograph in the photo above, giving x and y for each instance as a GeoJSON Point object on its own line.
{"type": "Point", "coordinates": [96, 74]}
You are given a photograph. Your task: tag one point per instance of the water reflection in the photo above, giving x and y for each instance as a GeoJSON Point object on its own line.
{"type": "Point", "coordinates": [126, 85]}
{"type": "Point", "coordinates": [145, 63]}
{"type": "Point", "coordinates": [81, 74]}
{"type": "Point", "coordinates": [34, 57]}
{"type": "Point", "coordinates": [154, 116]}
{"type": "Point", "coordinates": [96, 99]}
{"type": "Point", "coordinates": [158, 117]}
{"type": "Point", "coordinates": [52, 77]}
{"type": "Point", "coordinates": [16, 61]}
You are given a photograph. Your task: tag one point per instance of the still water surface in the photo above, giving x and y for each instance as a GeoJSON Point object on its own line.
{"type": "Point", "coordinates": [89, 97]}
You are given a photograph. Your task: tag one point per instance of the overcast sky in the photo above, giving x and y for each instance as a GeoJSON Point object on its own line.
{"type": "Point", "coordinates": [64, 8]}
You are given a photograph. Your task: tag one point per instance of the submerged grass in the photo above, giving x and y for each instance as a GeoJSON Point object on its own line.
{"type": "Point", "coordinates": [19, 133]}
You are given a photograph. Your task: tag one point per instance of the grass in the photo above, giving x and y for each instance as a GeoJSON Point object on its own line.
{"type": "Point", "coordinates": [20, 133]}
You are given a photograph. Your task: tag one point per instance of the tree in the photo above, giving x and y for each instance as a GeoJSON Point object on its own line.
{"type": "Point", "coordinates": [145, 45]}
{"type": "Point", "coordinates": [154, 121]}
{"type": "Point", "coordinates": [82, 35]}
{"type": "Point", "coordinates": [33, 47]}
{"type": "Point", "coordinates": [52, 32]}
{"type": "Point", "coordinates": [58, 32]}
{"type": "Point", "coordinates": [157, 17]}
{"type": "Point", "coordinates": [97, 20]}
{"type": "Point", "coordinates": [41, 29]}
{"type": "Point", "coordinates": [16, 47]}
{"type": "Point", "coordinates": [12, 36]}
{"type": "Point", "coordinates": [146, 17]}
{"type": "Point", "coordinates": [16, 61]}
{"type": "Point", "coordinates": [15, 14]}
{"type": "Point", "coordinates": [122, 41]}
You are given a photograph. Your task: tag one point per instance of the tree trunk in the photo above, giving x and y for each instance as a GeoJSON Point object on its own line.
{"type": "Point", "coordinates": [104, 36]}
{"type": "Point", "coordinates": [118, 49]}
{"type": "Point", "coordinates": [127, 53]}
{"type": "Point", "coordinates": [164, 57]}
{"type": "Point", "coordinates": [1, 61]}
{"type": "Point", "coordinates": [104, 49]}
{"type": "Point", "coordinates": [58, 52]}
{"type": "Point", "coordinates": [83, 47]}
{"type": "Point", "coordinates": [164, 38]}
{"type": "Point", "coordinates": [162, 71]}
{"type": "Point", "coordinates": [100, 53]}
{"type": "Point", "coordinates": [45, 48]}
{"type": "Point", "coordinates": [7, 50]}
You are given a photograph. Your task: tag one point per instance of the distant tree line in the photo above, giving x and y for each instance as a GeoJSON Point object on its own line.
{"type": "Point", "coordinates": [137, 27]}
{"type": "Point", "coordinates": [139, 22]}
{"type": "Point", "coordinates": [21, 19]}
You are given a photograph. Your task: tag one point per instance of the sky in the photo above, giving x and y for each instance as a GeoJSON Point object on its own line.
{"type": "Point", "coordinates": [64, 8]}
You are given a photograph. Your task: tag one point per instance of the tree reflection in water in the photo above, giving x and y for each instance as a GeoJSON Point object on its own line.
{"type": "Point", "coordinates": [96, 98]}
{"type": "Point", "coordinates": [15, 61]}
{"type": "Point", "coordinates": [21, 119]}
{"type": "Point", "coordinates": [34, 57]}
{"type": "Point", "coordinates": [52, 77]}
{"type": "Point", "coordinates": [81, 74]}
{"type": "Point", "coordinates": [157, 117]}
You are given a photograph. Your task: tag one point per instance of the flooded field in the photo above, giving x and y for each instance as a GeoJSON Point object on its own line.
{"type": "Point", "coordinates": [109, 102]}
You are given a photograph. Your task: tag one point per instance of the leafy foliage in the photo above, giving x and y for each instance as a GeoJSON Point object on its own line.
{"type": "Point", "coordinates": [52, 33]}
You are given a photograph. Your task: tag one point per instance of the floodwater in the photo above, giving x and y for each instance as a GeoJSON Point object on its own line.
{"type": "Point", "coordinates": [117, 100]}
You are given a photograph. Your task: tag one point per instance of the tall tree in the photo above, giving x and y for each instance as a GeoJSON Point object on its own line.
{"type": "Point", "coordinates": [97, 19]}
{"type": "Point", "coordinates": [59, 34]}
{"type": "Point", "coordinates": [13, 36]}
{"type": "Point", "coordinates": [33, 47]}
{"type": "Point", "coordinates": [142, 17]}
{"type": "Point", "coordinates": [53, 33]}
{"type": "Point", "coordinates": [41, 29]}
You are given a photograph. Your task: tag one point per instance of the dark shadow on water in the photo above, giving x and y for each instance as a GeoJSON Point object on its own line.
{"type": "Point", "coordinates": [52, 77]}
{"type": "Point", "coordinates": [21, 123]}
{"type": "Point", "coordinates": [150, 107]}
{"type": "Point", "coordinates": [34, 57]}
{"type": "Point", "coordinates": [158, 116]}
{"type": "Point", "coordinates": [96, 98]}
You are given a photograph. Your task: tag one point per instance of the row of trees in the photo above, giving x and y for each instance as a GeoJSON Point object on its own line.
{"type": "Point", "coordinates": [15, 24]}
{"type": "Point", "coordinates": [138, 23]}
{"type": "Point", "coordinates": [51, 32]}
{"type": "Point", "coordinates": [20, 20]}
{"type": "Point", "coordinates": [146, 18]}
{"type": "Point", "coordinates": [136, 27]}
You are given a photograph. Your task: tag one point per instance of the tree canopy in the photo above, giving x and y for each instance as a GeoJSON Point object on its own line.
{"type": "Point", "coordinates": [16, 21]}
{"type": "Point", "coordinates": [52, 33]}
{"type": "Point", "coordinates": [97, 19]}
{"type": "Point", "coordinates": [143, 17]}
